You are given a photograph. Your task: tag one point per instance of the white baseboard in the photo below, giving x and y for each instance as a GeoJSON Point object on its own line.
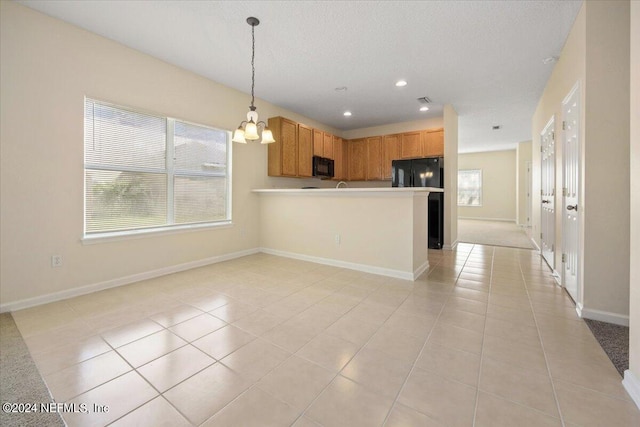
{"type": "Point", "coordinates": [557, 278]}
{"type": "Point", "coordinates": [535, 245]}
{"type": "Point", "coordinates": [602, 316]}
{"type": "Point", "coordinates": [488, 219]}
{"type": "Point", "coordinates": [631, 383]}
{"type": "Point", "coordinates": [83, 290]}
{"type": "Point", "coordinates": [450, 247]}
{"type": "Point", "coordinates": [399, 274]}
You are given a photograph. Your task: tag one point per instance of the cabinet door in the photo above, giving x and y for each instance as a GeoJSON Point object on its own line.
{"type": "Point", "coordinates": [327, 149]}
{"type": "Point", "coordinates": [374, 158]}
{"type": "Point", "coordinates": [390, 152]}
{"type": "Point", "coordinates": [289, 148]}
{"type": "Point", "coordinates": [318, 142]}
{"type": "Point", "coordinates": [433, 143]}
{"type": "Point", "coordinates": [305, 150]}
{"type": "Point", "coordinates": [357, 159]}
{"type": "Point", "coordinates": [410, 145]}
{"type": "Point", "coordinates": [338, 168]}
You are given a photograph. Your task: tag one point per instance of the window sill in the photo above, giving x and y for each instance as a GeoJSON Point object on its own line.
{"type": "Point", "coordinates": [151, 232]}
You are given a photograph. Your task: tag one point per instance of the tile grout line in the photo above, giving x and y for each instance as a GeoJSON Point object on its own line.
{"type": "Point", "coordinates": [475, 408]}
{"type": "Point", "coordinates": [544, 353]}
{"type": "Point", "coordinates": [255, 383]}
{"type": "Point", "coordinates": [413, 366]}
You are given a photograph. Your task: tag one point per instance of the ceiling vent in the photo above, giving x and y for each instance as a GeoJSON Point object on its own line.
{"type": "Point", "coordinates": [424, 100]}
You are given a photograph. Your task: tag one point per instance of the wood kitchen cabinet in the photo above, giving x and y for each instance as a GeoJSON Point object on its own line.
{"type": "Point", "coordinates": [305, 151]}
{"type": "Point", "coordinates": [338, 159]}
{"type": "Point", "coordinates": [411, 145]}
{"type": "Point", "coordinates": [318, 142]}
{"type": "Point", "coordinates": [357, 159]}
{"type": "Point", "coordinates": [374, 158]}
{"type": "Point", "coordinates": [433, 143]}
{"type": "Point", "coordinates": [283, 154]}
{"type": "Point", "coordinates": [390, 152]}
{"type": "Point", "coordinates": [327, 147]}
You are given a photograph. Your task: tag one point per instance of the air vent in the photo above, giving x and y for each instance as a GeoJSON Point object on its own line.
{"type": "Point", "coordinates": [424, 100]}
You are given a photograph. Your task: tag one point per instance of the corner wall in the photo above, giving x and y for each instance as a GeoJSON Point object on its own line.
{"type": "Point", "coordinates": [47, 67]}
{"type": "Point", "coordinates": [450, 177]}
{"type": "Point", "coordinates": [632, 376]}
{"type": "Point", "coordinates": [596, 55]}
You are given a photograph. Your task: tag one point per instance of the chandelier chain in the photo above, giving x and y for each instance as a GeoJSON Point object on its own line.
{"type": "Point", "coordinates": [253, 67]}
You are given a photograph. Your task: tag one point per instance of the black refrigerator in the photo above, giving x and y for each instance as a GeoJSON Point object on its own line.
{"type": "Point", "coordinates": [427, 172]}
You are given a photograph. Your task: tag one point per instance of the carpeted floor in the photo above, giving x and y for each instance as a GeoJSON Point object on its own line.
{"type": "Point", "coordinates": [614, 340]}
{"type": "Point", "coordinates": [20, 381]}
{"type": "Point", "coordinates": [493, 233]}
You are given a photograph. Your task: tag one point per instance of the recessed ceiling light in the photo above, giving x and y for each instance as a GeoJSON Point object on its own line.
{"type": "Point", "coordinates": [347, 113]}
{"type": "Point", "coordinates": [401, 83]}
{"type": "Point", "coordinates": [550, 60]}
{"type": "Point", "coordinates": [425, 108]}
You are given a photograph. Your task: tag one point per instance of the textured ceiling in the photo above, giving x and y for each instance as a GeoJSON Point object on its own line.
{"type": "Point", "coordinates": [483, 57]}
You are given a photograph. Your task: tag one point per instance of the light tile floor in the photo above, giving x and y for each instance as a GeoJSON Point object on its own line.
{"type": "Point", "coordinates": [485, 338]}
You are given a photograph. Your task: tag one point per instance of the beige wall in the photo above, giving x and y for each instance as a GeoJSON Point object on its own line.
{"type": "Point", "coordinates": [634, 310]}
{"type": "Point", "coordinates": [596, 55]}
{"type": "Point", "coordinates": [433, 122]}
{"type": "Point", "coordinates": [523, 155]}
{"type": "Point", "coordinates": [47, 67]}
{"type": "Point", "coordinates": [498, 184]}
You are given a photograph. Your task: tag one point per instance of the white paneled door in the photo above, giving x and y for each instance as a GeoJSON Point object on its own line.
{"type": "Point", "coordinates": [571, 192]}
{"type": "Point", "coordinates": [547, 193]}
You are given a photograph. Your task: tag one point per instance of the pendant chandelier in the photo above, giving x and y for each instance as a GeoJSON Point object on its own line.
{"type": "Point", "coordinates": [250, 129]}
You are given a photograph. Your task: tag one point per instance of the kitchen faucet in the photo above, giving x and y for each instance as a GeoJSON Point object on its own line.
{"type": "Point", "coordinates": [341, 182]}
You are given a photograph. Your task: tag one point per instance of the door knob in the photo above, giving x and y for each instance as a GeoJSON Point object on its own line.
{"type": "Point", "coordinates": [572, 208]}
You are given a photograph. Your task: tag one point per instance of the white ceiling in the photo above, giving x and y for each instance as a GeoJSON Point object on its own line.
{"type": "Point", "coordinates": [483, 57]}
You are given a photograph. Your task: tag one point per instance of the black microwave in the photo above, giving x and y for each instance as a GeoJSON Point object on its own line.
{"type": "Point", "coordinates": [322, 167]}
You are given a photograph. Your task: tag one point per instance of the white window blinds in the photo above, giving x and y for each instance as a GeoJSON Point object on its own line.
{"type": "Point", "coordinates": [144, 171]}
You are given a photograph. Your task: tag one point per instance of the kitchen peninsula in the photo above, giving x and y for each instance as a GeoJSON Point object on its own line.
{"type": "Point", "coordinates": [377, 230]}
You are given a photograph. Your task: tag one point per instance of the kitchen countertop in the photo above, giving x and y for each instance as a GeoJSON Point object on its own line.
{"type": "Point", "coordinates": [333, 191]}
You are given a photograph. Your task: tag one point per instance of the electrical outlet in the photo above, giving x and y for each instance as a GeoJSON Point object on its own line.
{"type": "Point", "coordinates": [56, 261]}
{"type": "Point", "coordinates": [337, 240]}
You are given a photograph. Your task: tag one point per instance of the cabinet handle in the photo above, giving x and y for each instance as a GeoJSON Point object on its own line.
{"type": "Point", "coordinates": [572, 208]}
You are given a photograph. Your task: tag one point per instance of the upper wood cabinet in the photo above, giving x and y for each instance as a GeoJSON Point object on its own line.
{"type": "Point", "coordinates": [338, 159]}
{"type": "Point", "coordinates": [357, 159]}
{"type": "Point", "coordinates": [390, 152]}
{"type": "Point", "coordinates": [318, 142]}
{"type": "Point", "coordinates": [410, 145]}
{"type": "Point", "coordinates": [305, 150]}
{"type": "Point", "coordinates": [433, 143]}
{"type": "Point", "coordinates": [283, 154]}
{"type": "Point", "coordinates": [327, 149]}
{"type": "Point", "coordinates": [374, 158]}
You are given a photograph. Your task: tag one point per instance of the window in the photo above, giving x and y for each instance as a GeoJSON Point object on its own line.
{"type": "Point", "coordinates": [146, 172]}
{"type": "Point", "coordinates": [470, 187]}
